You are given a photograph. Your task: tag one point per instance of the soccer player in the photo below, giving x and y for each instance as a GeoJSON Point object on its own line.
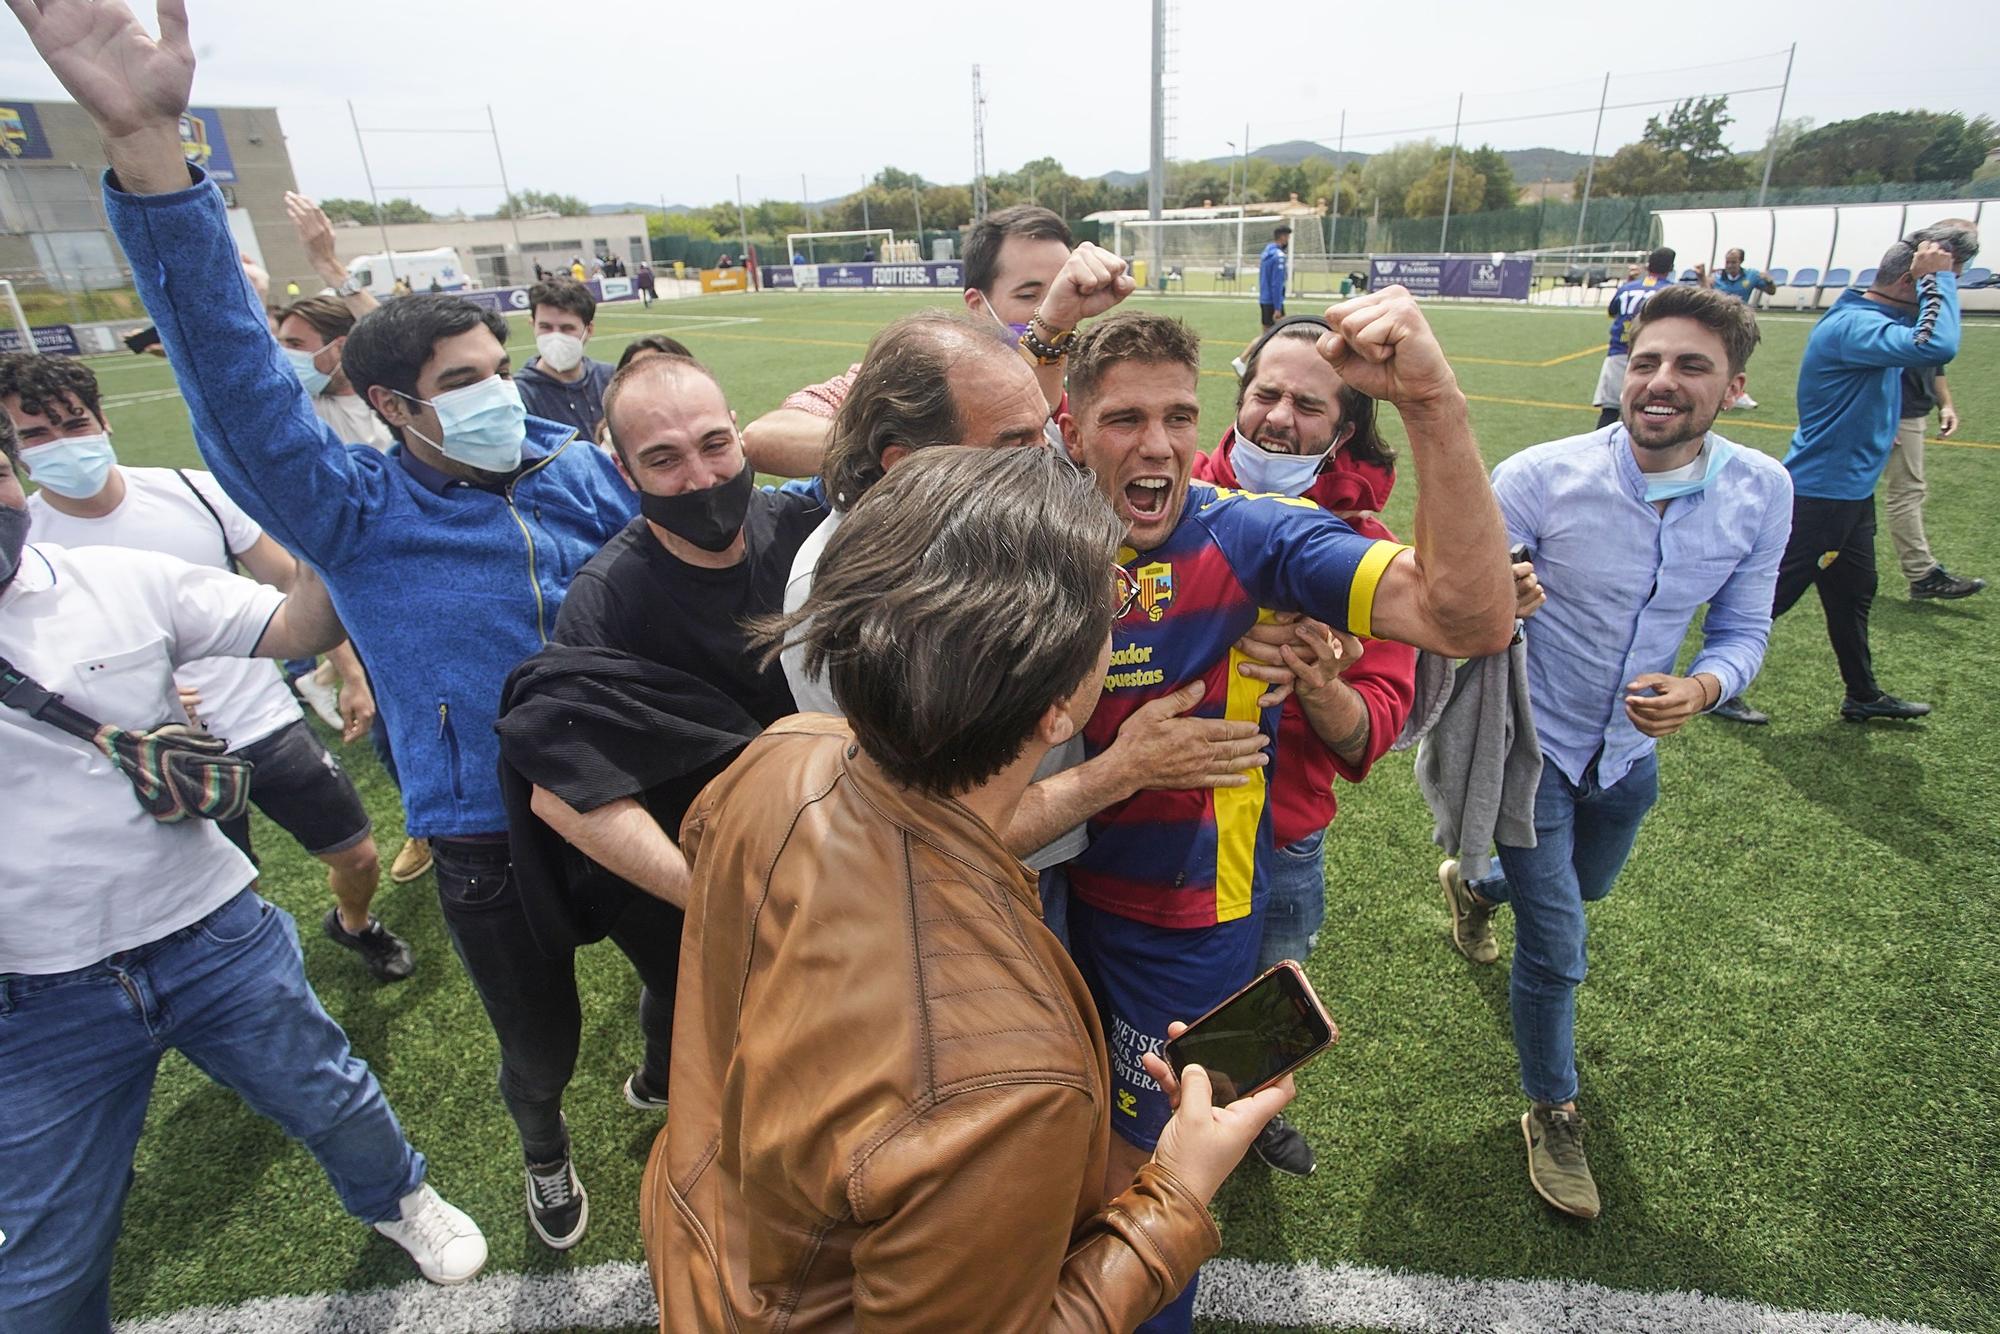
{"type": "Point", "coordinates": [86, 498]}
{"type": "Point", "coordinates": [1635, 527]}
{"type": "Point", "coordinates": [1626, 303]}
{"type": "Point", "coordinates": [1850, 398]}
{"type": "Point", "coordinates": [1164, 914]}
{"type": "Point", "coordinates": [1733, 280]}
{"type": "Point", "coordinates": [560, 383]}
{"type": "Point", "coordinates": [447, 557]}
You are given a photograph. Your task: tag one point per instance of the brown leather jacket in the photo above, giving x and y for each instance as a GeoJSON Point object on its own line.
{"type": "Point", "coordinates": [889, 1105]}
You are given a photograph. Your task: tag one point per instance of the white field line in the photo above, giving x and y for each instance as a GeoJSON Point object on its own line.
{"type": "Point", "coordinates": [611, 1296]}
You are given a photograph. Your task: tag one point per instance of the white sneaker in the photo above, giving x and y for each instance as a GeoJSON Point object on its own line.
{"type": "Point", "coordinates": [1236, 364]}
{"type": "Point", "coordinates": [325, 700]}
{"type": "Point", "coordinates": [447, 1246]}
{"type": "Point", "coordinates": [1744, 401]}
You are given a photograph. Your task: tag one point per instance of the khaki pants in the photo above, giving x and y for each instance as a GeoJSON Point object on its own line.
{"type": "Point", "coordinates": [1903, 493]}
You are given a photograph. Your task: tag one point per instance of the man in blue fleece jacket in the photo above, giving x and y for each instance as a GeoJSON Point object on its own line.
{"type": "Point", "coordinates": [447, 557]}
{"type": "Point", "coordinates": [1850, 396]}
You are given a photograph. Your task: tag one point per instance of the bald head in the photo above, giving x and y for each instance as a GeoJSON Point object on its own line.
{"type": "Point", "coordinates": [931, 378]}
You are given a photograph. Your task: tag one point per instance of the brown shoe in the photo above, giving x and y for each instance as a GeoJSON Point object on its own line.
{"type": "Point", "coordinates": [412, 861]}
{"type": "Point", "coordinates": [1557, 1168]}
{"type": "Point", "coordinates": [1471, 920]}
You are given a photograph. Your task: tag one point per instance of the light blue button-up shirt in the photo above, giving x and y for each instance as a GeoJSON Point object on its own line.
{"type": "Point", "coordinates": [1624, 581]}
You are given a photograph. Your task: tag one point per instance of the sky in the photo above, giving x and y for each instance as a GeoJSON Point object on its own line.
{"type": "Point", "coordinates": [607, 100]}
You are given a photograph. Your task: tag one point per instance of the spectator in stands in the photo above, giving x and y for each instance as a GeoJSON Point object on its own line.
{"type": "Point", "coordinates": [930, 379]}
{"type": "Point", "coordinates": [1626, 303]}
{"type": "Point", "coordinates": [1300, 431]}
{"type": "Point", "coordinates": [920, 1142]}
{"type": "Point", "coordinates": [560, 383]}
{"type": "Point", "coordinates": [1904, 488]}
{"type": "Point", "coordinates": [85, 498]}
{"type": "Point", "coordinates": [650, 687]}
{"type": "Point", "coordinates": [1012, 259]}
{"type": "Point", "coordinates": [126, 935]}
{"type": "Point", "coordinates": [1636, 526]}
{"type": "Point", "coordinates": [1850, 398]}
{"type": "Point", "coordinates": [576, 269]}
{"type": "Point", "coordinates": [1165, 916]}
{"type": "Point", "coordinates": [1733, 280]}
{"type": "Point", "coordinates": [448, 556]}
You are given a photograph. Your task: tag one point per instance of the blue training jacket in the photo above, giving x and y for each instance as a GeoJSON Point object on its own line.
{"type": "Point", "coordinates": [1851, 385]}
{"type": "Point", "coordinates": [444, 586]}
{"type": "Point", "coordinates": [1271, 276]}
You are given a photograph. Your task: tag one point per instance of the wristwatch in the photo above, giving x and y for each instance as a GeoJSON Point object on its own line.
{"type": "Point", "coordinates": [352, 287]}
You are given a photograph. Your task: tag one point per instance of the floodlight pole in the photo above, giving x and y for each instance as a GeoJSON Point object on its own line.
{"type": "Point", "coordinates": [388, 252]}
{"type": "Point", "coordinates": [1451, 173]}
{"type": "Point", "coordinates": [1590, 172]}
{"type": "Point", "coordinates": [1771, 153]}
{"type": "Point", "coordinates": [742, 223]}
{"type": "Point", "coordinates": [1156, 174]}
{"type": "Point", "coordinates": [917, 198]}
{"type": "Point", "coordinates": [1333, 236]}
{"type": "Point", "coordinates": [512, 213]}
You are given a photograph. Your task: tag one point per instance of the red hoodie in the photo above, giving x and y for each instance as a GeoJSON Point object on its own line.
{"type": "Point", "coordinates": [1301, 791]}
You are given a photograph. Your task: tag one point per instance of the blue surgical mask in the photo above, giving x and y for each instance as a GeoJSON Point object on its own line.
{"type": "Point", "coordinates": [311, 376]}
{"type": "Point", "coordinates": [75, 466]}
{"type": "Point", "coordinates": [1275, 474]}
{"type": "Point", "coordinates": [1719, 451]}
{"type": "Point", "coordinates": [484, 425]}
{"type": "Point", "coordinates": [1014, 331]}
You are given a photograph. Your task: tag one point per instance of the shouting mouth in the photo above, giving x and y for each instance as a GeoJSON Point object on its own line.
{"type": "Point", "coordinates": [1146, 498]}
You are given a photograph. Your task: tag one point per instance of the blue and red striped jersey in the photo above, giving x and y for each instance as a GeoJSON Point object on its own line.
{"type": "Point", "coordinates": [1186, 859]}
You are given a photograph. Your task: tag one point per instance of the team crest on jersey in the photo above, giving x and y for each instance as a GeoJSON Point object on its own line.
{"type": "Point", "coordinates": [1156, 588]}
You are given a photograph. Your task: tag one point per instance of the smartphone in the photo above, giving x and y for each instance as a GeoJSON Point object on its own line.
{"type": "Point", "coordinates": [1258, 1036]}
{"type": "Point", "coordinates": [1517, 553]}
{"type": "Point", "coordinates": [142, 339]}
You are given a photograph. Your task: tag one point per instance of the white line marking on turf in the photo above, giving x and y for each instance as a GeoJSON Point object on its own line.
{"type": "Point", "coordinates": [611, 1296]}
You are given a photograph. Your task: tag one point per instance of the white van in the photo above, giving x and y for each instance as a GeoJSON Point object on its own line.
{"type": "Point", "coordinates": [415, 267]}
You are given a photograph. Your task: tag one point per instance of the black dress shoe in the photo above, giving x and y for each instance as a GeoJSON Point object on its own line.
{"type": "Point", "coordinates": [1282, 1148]}
{"type": "Point", "coordinates": [1736, 709]}
{"type": "Point", "coordinates": [1882, 706]}
{"type": "Point", "coordinates": [1942, 583]}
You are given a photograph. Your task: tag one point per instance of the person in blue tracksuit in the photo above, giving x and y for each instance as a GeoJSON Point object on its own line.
{"type": "Point", "coordinates": [447, 558]}
{"type": "Point", "coordinates": [1271, 271]}
{"type": "Point", "coordinates": [1850, 398]}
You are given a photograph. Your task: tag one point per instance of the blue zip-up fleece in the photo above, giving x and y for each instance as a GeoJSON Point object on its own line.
{"type": "Point", "coordinates": [1851, 385]}
{"type": "Point", "coordinates": [1271, 275]}
{"type": "Point", "coordinates": [444, 586]}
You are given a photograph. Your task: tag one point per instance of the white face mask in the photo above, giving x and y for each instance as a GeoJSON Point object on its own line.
{"type": "Point", "coordinates": [1274, 472]}
{"type": "Point", "coordinates": [563, 352]}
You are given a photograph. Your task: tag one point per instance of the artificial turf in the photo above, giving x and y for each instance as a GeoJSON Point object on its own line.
{"type": "Point", "coordinates": [1786, 1043]}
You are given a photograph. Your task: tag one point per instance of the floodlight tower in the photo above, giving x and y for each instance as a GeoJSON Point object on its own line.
{"type": "Point", "coordinates": [978, 147]}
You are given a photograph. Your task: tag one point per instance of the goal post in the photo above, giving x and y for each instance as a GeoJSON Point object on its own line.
{"type": "Point", "coordinates": [1197, 254]}
{"type": "Point", "coordinates": [839, 247]}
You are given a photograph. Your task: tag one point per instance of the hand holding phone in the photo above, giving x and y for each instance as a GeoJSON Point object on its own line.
{"type": "Point", "coordinates": [1256, 1037]}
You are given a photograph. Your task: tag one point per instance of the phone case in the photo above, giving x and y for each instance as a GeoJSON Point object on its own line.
{"type": "Point", "coordinates": [1312, 997]}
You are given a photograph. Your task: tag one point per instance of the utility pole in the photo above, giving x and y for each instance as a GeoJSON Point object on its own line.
{"type": "Point", "coordinates": [742, 221]}
{"type": "Point", "coordinates": [805, 207]}
{"type": "Point", "coordinates": [388, 254]}
{"type": "Point", "coordinates": [1771, 152]}
{"type": "Point", "coordinates": [1451, 174]}
{"type": "Point", "coordinates": [1156, 176]}
{"type": "Point", "coordinates": [917, 198]}
{"type": "Point", "coordinates": [864, 204]}
{"type": "Point", "coordinates": [1339, 174]}
{"type": "Point", "coordinates": [1590, 172]}
{"type": "Point", "coordinates": [978, 148]}
{"type": "Point", "coordinates": [513, 222]}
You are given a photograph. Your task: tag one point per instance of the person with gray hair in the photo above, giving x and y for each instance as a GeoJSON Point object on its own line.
{"type": "Point", "coordinates": [1850, 397]}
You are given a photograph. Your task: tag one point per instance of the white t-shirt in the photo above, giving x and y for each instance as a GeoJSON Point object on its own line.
{"type": "Point", "coordinates": [242, 699]}
{"type": "Point", "coordinates": [85, 871]}
{"type": "Point", "coordinates": [813, 695]}
{"type": "Point", "coordinates": [353, 420]}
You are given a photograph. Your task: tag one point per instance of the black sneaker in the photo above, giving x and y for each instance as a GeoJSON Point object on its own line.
{"type": "Point", "coordinates": [1882, 706]}
{"type": "Point", "coordinates": [387, 956]}
{"type": "Point", "coordinates": [1942, 583]}
{"type": "Point", "coordinates": [557, 1206]}
{"type": "Point", "coordinates": [1736, 709]}
{"type": "Point", "coordinates": [639, 1094]}
{"type": "Point", "coordinates": [1280, 1147]}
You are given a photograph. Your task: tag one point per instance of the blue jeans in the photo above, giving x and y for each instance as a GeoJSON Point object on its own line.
{"type": "Point", "coordinates": [1583, 835]}
{"type": "Point", "coordinates": [1294, 890]}
{"type": "Point", "coordinates": [80, 1051]}
{"type": "Point", "coordinates": [1053, 885]}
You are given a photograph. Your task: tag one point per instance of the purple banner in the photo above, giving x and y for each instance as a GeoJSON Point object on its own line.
{"type": "Point", "coordinates": [51, 340]}
{"type": "Point", "coordinates": [936, 273]}
{"type": "Point", "coordinates": [514, 300]}
{"type": "Point", "coordinates": [1453, 275]}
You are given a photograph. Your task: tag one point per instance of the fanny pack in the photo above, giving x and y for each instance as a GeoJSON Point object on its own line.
{"type": "Point", "coordinates": [175, 772]}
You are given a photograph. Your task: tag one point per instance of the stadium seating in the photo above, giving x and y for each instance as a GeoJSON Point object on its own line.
{"type": "Point", "coordinates": [1838, 278]}
{"type": "Point", "coordinates": [1805, 285]}
{"type": "Point", "coordinates": [1777, 276]}
{"type": "Point", "coordinates": [1976, 278]}
{"type": "Point", "coordinates": [1865, 278]}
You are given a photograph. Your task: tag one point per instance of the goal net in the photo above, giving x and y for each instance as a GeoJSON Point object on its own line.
{"type": "Point", "coordinates": [877, 244]}
{"type": "Point", "coordinates": [1196, 254]}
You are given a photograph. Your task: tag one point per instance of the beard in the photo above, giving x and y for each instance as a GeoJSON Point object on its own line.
{"type": "Point", "coordinates": [1689, 422]}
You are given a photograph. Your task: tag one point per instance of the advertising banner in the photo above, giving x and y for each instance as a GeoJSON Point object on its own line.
{"type": "Point", "coordinates": [939, 273]}
{"type": "Point", "coordinates": [514, 300]}
{"type": "Point", "coordinates": [51, 340]}
{"type": "Point", "coordinates": [202, 141]}
{"type": "Point", "coordinates": [725, 280]}
{"type": "Point", "coordinates": [21, 133]}
{"type": "Point", "coordinates": [1453, 275]}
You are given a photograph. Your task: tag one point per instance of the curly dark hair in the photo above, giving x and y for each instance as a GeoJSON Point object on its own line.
{"type": "Point", "coordinates": [44, 384]}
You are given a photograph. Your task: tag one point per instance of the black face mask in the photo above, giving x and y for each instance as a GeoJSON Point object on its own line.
{"type": "Point", "coordinates": [710, 519]}
{"type": "Point", "coordinates": [14, 536]}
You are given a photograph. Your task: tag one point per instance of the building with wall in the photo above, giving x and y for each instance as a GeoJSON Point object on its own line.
{"type": "Point", "coordinates": [499, 252]}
